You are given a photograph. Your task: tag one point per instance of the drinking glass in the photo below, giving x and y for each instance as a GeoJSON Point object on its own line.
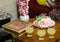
{"type": "Point", "coordinates": [29, 31]}
{"type": "Point", "coordinates": [41, 34]}
{"type": "Point", "coordinates": [51, 32]}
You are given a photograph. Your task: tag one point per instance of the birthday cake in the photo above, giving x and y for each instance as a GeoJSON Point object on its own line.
{"type": "Point", "coordinates": [43, 22]}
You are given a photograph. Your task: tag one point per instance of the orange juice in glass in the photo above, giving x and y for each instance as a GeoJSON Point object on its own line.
{"type": "Point", "coordinates": [41, 34]}
{"type": "Point", "coordinates": [51, 32]}
{"type": "Point", "coordinates": [29, 31]}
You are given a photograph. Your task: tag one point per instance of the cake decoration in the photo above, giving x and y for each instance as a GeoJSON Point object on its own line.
{"type": "Point", "coordinates": [38, 18]}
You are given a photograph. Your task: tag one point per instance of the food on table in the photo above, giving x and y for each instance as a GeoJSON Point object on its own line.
{"type": "Point", "coordinates": [17, 24]}
{"type": "Point", "coordinates": [29, 30]}
{"type": "Point", "coordinates": [43, 22]}
{"type": "Point", "coordinates": [51, 31]}
{"type": "Point", "coordinates": [41, 33]}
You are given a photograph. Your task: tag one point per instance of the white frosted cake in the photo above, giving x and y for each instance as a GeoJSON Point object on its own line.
{"type": "Point", "coordinates": [45, 21]}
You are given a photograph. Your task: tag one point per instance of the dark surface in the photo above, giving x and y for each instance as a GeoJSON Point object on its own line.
{"type": "Point", "coordinates": [3, 35]}
{"type": "Point", "coordinates": [2, 22]}
{"type": "Point", "coordinates": [58, 40]}
{"type": "Point", "coordinates": [36, 9]}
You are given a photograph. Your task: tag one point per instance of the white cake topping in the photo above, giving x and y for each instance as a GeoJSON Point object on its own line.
{"type": "Point", "coordinates": [45, 21]}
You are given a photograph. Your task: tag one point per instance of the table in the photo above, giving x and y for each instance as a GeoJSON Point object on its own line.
{"type": "Point", "coordinates": [34, 38]}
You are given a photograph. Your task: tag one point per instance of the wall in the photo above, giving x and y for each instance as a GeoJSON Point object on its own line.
{"type": "Point", "coordinates": [10, 7]}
